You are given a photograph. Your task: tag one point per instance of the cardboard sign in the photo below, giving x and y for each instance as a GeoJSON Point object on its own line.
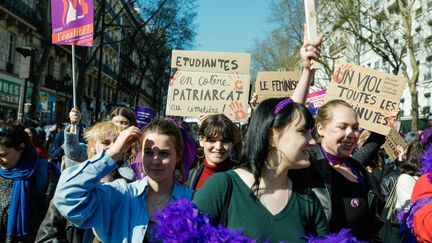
{"type": "Point", "coordinates": [392, 140]}
{"type": "Point", "coordinates": [209, 82]}
{"type": "Point", "coordinates": [316, 98]}
{"type": "Point", "coordinates": [374, 95]}
{"type": "Point", "coordinates": [275, 84]}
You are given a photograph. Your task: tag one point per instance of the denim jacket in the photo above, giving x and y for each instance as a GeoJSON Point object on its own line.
{"type": "Point", "coordinates": [117, 211]}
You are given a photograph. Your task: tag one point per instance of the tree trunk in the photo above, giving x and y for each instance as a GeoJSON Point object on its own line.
{"type": "Point", "coordinates": [38, 73]}
{"type": "Point", "coordinates": [406, 11]}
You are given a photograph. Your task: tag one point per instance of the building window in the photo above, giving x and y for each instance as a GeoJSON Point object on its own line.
{"type": "Point", "coordinates": [376, 65]}
{"type": "Point", "coordinates": [11, 52]}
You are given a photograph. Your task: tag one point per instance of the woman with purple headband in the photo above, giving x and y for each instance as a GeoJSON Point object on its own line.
{"type": "Point", "coordinates": [259, 197]}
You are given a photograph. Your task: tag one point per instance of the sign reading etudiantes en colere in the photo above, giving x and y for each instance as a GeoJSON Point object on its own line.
{"type": "Point", "coordinates": [374, 95]}
{"type": "Point", "coordinates": [209, 82]}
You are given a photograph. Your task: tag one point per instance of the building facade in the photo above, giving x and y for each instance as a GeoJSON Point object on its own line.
{"type": "Point", "coordinates": [21, 26]}
{"type": "Point", "coordinates": [343, 46]}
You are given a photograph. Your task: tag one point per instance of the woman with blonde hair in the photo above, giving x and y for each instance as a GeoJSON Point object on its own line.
{"type": "Point", "coordinates": [99, 138]}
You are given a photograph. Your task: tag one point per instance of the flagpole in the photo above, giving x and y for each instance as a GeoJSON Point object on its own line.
{"type": "Point", "coordinates": [73, 78]}
{"type": "Point", "coordinates": [74, 126]}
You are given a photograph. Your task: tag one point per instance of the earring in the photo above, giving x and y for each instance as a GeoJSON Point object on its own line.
{"type": "Point", "coordinates": [200, 153]}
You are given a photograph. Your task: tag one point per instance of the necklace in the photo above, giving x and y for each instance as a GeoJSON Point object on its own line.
{"type": "Point", "coordinates": [157, 204]}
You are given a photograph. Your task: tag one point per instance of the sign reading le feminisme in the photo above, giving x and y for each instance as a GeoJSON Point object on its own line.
{"type": "Point", "coordinates": [209, 82]}
{"type": "Point", "coordinates": [275, 84]}
{"type": "Point", "coordinates": [374, 95]}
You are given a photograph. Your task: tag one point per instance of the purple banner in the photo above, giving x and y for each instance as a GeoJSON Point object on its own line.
{"type": "Point", "coordinates": [72, 22]}
{"type": "Point", "coordinates": [144, 115]}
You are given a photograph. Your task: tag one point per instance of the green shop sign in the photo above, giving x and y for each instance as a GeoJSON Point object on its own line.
{"type": "Point", "coordinates": [9, 91]}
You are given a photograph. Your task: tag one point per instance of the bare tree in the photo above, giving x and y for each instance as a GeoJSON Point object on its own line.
{"type": "Point", "coordinates": [378, 27]}
{"type": "Point", "coordinates": [406, 12]}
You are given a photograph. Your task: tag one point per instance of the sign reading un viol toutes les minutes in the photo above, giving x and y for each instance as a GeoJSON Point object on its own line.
{"type": "Point", "coordinates": [209, 82]}
{"type": "Point", "coordinates": [374, 95]}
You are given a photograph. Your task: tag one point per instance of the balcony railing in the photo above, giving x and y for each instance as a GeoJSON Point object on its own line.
{"type": "Point", "coordinates": [21, 9]}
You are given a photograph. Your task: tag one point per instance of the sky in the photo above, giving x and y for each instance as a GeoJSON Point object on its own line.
{"type": "Point", "coordinates": [231, 25]}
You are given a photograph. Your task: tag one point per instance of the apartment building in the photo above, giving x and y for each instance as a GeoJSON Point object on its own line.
{"type": "Point", "coordinates": [20, 26]}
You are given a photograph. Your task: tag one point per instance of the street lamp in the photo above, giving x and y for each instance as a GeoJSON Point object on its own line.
{"type": "Point", "coordinates": [25, 71]}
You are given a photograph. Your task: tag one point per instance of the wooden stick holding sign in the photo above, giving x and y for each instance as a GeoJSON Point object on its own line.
{"type": "Point", "coordinates": [311, 22]}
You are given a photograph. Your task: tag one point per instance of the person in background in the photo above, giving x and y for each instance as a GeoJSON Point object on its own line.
{"type": "Point", "coordinates": [217, 136]}
{"type": "Point", "coordinates": [123, 117]}
{"type": "Point", "coordinates": [52, 132]}
{"type": "Point", "coordinates": [417, 216]}
{"type": "Point", "coordinates": [77, 152]}
{"type": "Point", "coordinates": [36, 142]}
{"type": "Point", "coordinates": [55, 227]}
{"type": "Point", "coordinates": [27, 185]}
{"type": "Point", "coordinates": [118, 211]}
{"type": "Point", "coordinates": [409, 168]}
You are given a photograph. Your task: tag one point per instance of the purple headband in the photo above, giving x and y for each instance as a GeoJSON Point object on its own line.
{"type": "Point", "coordinates": [282, 104]}
{"type": "Point", "coordinates": [426, 136]}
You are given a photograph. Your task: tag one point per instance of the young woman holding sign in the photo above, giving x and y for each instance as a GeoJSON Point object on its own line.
{"type": "Point", "coordinates": [349, 197]}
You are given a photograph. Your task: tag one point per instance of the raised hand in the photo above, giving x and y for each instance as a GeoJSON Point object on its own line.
{"type": "Point", "coordinates": [74, 116]}
{"type": "Point", "coordinates": [310, 50]}
{"type": "Point", "coordinates": [123, 142]}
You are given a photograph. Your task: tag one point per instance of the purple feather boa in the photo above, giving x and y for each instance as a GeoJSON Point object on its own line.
{"type": "Point", "coordinates": [180, 221]}
{"type": "Point", "coordinates": [406, 215]}
{"type": "Point", "coordinates": [344, 236]}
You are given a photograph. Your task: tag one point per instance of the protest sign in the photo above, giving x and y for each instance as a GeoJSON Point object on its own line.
{"type": "Point", "coordinates": [209, 82]}
{"type": "Point", "coordinates": [275, 84]}
{"type": "Point", "coordinates": [72, 22]}
{"type": "Point", "coordinates": [143, 115]}
{"type": "Point", "coordinates": [374, 95]}
{"type": "Point", "coordinates": [316, 98]}
{"type": "Point", "coordinates": [394, 139]}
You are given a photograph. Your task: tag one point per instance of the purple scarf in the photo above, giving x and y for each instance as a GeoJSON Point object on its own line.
{"type": "Point", "coordinates": [334, 160]}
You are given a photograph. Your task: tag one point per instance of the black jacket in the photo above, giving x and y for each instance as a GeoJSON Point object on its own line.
{"type": "Point", "coordinates": [317, 177]}
{"type": "Point", "coordinates": [55, 228]}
